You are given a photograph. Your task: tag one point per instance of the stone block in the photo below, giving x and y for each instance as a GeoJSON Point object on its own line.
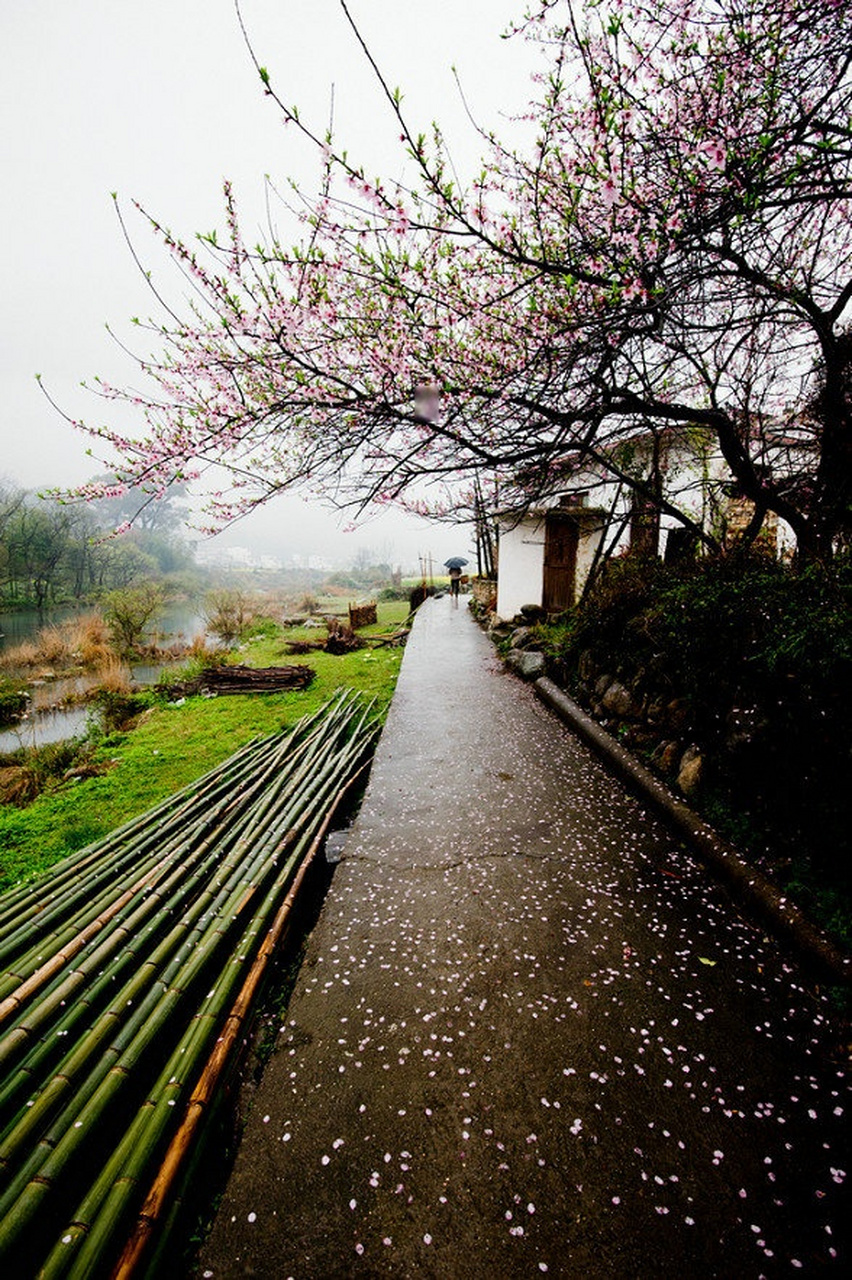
{"type": "Point", "coordinates": [690, 771]}
{"type": "Point", "coordinates": [619, 701]}
{"type": "Point", "coordinates": [527, 663]}
{"type": "Point", "coordinates": [520, 637]}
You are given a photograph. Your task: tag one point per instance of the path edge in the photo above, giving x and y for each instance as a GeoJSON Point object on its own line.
{"type": "Point", "coordinates": [747, 883]}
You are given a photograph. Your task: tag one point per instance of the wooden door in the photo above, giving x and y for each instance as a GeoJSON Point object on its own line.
{"type": "Point", "coordinates": [560, 562]}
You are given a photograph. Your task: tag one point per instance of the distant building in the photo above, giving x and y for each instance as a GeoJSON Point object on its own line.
{"type": "Point", "coordinates": [215, 556]}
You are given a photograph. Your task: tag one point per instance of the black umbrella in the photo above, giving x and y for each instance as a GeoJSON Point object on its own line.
{"type": "Point", "coordinates": [454, 562]}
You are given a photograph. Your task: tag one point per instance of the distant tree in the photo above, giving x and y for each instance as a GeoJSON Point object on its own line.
{"type": "Point", "coordinates": [37, 538]}
{"type": "Point", "coordinates": [121, 562]}
{"type": "Point", "coordinates": [129, 611]}
{"type": "Point", "coordinates": [671, 249]}
{"type": "Point", "coordinates": [145, 509]}
{"type": "Point", "coordinates": [11, 499]}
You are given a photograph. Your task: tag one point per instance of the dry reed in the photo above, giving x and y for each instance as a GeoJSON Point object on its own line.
{"type": "Point", "coordinates": [114, 676]}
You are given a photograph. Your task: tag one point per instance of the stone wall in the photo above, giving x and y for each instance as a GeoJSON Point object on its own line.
{"type": "Point", "coordinates": [655, 725]}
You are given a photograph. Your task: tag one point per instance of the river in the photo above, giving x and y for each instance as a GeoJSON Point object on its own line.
{"type": "Point", "coordinates": [178, 622]}
{"type": "Point", "coordinates": [45, 721]}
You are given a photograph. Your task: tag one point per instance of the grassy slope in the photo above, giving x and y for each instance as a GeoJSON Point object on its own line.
{"type": "Point", "coordinates": [172, 745]}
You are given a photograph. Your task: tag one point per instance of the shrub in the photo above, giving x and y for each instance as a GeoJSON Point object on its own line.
{"type": "Point", "coordinates": [729, 635]}
{"type": "Point", "coordinates": [52, 645]}
{"type": "Point", "coordinates": [89, 639]}
{"type": "Point", "coordinates": [13, 703]}
{"type": "Point", "coordinates": [226, 614]}
{"type": "Point", "coordinates": [25, 654]}
{"type": "Point", "coordinates": [117, 708]}
{"type": "Point", "coordinates": [114, 676]}
{"type": "Point", "coordinates": [129, 611]}
{"type": "Point", "coordinates": [28, 772]}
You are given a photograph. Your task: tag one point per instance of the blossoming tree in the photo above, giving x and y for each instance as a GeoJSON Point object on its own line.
{"type": "Point", "coordinates": [672, 248]}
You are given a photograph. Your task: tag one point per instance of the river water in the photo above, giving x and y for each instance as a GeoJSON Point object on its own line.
{"type": "Point", "coordinates": [47, 722]}
{"type": "Point", "coordinates": [179, 622]}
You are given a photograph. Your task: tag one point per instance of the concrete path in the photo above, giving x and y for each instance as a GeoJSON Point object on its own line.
{"type": "Point", "coordinates": [531, 1035]}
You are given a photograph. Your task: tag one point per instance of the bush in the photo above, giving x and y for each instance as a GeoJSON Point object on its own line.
{"type": "Point", "coordinates": [13, 703]}
{"type": "Point", "coordinates": [28, 772]}
{"type": "Point", "coordinates": [116, 709]}
{"type": "Point", "coordinates": [226, 614]}
{"type": "Point", "coordinates": [52, 645]}
{"type": "Point", "coordinates": [749, 638]}
{"type": "Point", "coordinates": [89, 639]}
{"type": "Point", "coordinates": [129, 611]}
{"type": "Point", "coordinates": [82, 641]}
{"type": "Point", "coordinates": [25, 654]}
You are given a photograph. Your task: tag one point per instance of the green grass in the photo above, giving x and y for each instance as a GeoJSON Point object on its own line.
{"type": "Point", "coordinates": [171, 745]}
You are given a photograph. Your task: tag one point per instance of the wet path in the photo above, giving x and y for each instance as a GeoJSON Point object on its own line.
{"type": "Point", "coordinates": [531, 1035]}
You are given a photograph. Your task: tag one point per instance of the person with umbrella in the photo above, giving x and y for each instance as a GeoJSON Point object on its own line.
{"type": "Point", "coordinates": [455, 564]}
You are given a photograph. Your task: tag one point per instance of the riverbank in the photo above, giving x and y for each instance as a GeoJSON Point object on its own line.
{"type": "Point", "coordinates": [173, 743]}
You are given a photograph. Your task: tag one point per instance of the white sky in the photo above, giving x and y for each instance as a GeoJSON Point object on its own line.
{"type": "Point", "coordinates": [158, 100]}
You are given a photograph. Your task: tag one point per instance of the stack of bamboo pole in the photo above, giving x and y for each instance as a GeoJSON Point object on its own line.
{"type": "Point", "coordinates": [126, 978]}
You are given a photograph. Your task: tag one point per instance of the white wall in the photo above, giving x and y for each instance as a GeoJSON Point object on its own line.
{"type": "Point", "coordinates": [520, 577]}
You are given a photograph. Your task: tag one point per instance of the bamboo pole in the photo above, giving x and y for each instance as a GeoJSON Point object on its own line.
{"type": "Point", "coordinates": [227, 801]}
{"type": "Point", "coordinates": [98, 1219]}
{"type": "Point", "coordinates": [203, 1094]}
{"type": "Point", "coordinates": [280, 817]}
{"type": "Point", "coordinates": [32, 893]}
{"type": "Point", "coordinates": [153, 835]}
{"type": "Point", "coordinates": [99, 1215]}
{"type": "Point", "coordinates": [44, 888]}
{"type": "Point", "coordinates": [31, 1194]}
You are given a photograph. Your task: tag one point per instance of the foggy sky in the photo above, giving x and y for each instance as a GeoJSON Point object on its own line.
{"type": "Point", "coordinates": [158, 101]}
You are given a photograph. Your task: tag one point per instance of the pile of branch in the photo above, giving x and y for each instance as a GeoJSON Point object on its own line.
{"type": "Point", "coordinates": [241, 679]}
{"type": "Point", "coordinates": [341, 639]}
{"type": "Point", "coordinates": [127, 975]}
{"type": "Point", "coordinates": [305, 646]}
{"type": "Point", "coordinates": [334, 645]}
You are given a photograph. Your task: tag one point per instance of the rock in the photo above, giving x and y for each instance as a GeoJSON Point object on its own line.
{"type": "Point", "coordinates": [335, 845]}
{"type": "Point", "coordinates": [499, 630]}
{"type": "Point", "coordinates": [655, 712]}
{"type": "Point", "coordinates": [533, 613]}
{"type": "Point", "coordinates": [619, 701]}
{"type": "Point", "coordinates": [689, 773]}
{"type": "Point", "coordinates": [602, 684]}
{"type": "Point", "coordinates": [520, 637]}
{"type": "Point", "coordinates": [666, 757]}
{"type": "Point", "coordinates": [527, 663]}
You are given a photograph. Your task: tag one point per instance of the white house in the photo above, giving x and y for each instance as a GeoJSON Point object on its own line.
{"type": "Point", "coordinates": [547, 553]}
{"type": "Point", "coordinates": [545, 556]}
